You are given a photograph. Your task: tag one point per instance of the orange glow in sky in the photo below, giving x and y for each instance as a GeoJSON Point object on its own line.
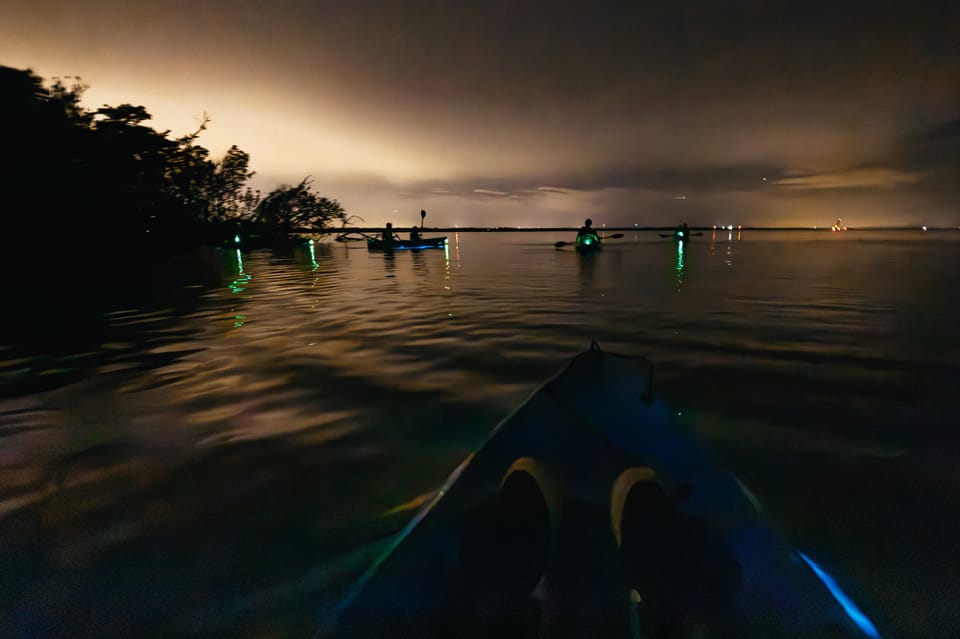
{"type": "Point", "coordinates": [526, 114]}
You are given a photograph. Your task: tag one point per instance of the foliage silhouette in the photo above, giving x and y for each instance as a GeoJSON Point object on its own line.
{"type": "Point", "coordinates": [288, 208]}
{"type": "Point", "coordinates": [104, 179]}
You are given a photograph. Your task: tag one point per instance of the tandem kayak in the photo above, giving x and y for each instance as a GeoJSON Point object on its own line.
{"type": "Point", "coordinates": [591, 512]}
{"type": "Point", "coordinates": [423, 243]}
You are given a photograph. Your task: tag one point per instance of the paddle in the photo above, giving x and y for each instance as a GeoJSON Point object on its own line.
{"type": "Point", "coordinates": [615, 236]}
{"type": "Point", "coordinates": [423, 214]}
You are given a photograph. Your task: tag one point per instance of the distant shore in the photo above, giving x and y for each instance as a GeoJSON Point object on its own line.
{"type": "Point", "coordinates": [574, 229]}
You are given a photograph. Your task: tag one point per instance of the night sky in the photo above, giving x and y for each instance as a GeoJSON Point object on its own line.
{"type": "Point", "coordinates": [530, 113]}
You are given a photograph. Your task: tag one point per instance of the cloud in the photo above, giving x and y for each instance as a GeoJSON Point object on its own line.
{"type": "Point", "coordinates": [490, 192]}
{"type": "Point", "coordinates": [879, 177]}
{"type": "Point", "coordinates": [554, 189]}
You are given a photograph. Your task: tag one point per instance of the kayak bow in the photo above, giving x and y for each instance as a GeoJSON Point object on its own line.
{"type": "Point", "coordinates": [582, 517]}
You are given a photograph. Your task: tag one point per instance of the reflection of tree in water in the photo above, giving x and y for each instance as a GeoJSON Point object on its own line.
{"type": "Point", "coordinates": [77, 326]}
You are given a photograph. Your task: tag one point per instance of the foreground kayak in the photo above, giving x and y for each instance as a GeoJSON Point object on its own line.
{"type": "Point", "coordinates": [590, 512]}
{"type": "Point", "coordinates": [423, 243]}
{"type": "Point", "coordinates": [587, 243]}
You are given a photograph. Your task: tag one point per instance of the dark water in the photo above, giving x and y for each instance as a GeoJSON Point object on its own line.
{"type": "Point", "coordinates": [222, 449]}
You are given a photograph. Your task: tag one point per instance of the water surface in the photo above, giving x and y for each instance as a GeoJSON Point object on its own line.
{"type": "Point", "coordinates": [220, 452]}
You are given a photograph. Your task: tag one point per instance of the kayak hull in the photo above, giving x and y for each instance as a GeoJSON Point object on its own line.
{"type": "Point", "coordinates": [587, 248]}
{"type": "Point", "coordinates": [583, 516]}
{"type": "Point", "coordinates": [397, 245]}
{"type": "Point", "coordinates": [587, 243]}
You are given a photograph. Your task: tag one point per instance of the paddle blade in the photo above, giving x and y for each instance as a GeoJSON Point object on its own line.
{"type": "Point", "coordinates": [615, 236]}
{"type": "Point", "coordinates": [559, 244]}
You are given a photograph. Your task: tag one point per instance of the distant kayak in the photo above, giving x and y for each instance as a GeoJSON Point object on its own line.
{"type": "Point", "coordinates": [681, 236]}
{"type": "Point", "coordinates": [396, 245]}
{"type": "Point", "coordinates": [591, 511]}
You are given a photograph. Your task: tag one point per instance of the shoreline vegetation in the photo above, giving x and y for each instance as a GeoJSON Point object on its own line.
{"type": "Point", "coordinates": [104, 178]}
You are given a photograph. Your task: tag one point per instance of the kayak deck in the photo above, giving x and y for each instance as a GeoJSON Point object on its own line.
{"type": "Point", "coordinates": [590, 512]}
{"type": "Point", "coordinates": [588, 243]}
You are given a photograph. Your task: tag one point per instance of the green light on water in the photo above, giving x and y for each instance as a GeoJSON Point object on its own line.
{"type": "Point", "coordinates": [313, 257]}
{"type": "Point", "coordinates": [679, 268]}
{"type": "Point", "coordinates": [238, 284]}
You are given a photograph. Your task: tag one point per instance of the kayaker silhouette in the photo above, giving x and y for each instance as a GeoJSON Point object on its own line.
{"type": "Point", "coordinates": [586, 229]}
{"type": "Point", "coordinates": [415, 232]}
{"type": "Point", "coordinates": [388, 235]}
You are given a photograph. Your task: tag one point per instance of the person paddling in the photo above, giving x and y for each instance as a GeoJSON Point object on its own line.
{"type": "Point", "coordinates": [388, 236]}
{"type": "Point", "coordinates": [415, 232]}
{"type": "Point", "coordinates": [587, 230]}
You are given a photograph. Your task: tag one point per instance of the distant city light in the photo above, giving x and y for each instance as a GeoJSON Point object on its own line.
{"type": "Point", "coordinates": [924, 228]}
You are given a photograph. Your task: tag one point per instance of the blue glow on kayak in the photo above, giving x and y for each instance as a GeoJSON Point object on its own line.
{"type": "Point", "coordinates": [849, 607]}
{"type": "Point", "coordinates": [407, 246]}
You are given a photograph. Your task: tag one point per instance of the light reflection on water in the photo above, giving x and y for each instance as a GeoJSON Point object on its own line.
{"type": "Point", "coordinates": [226, 466]}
